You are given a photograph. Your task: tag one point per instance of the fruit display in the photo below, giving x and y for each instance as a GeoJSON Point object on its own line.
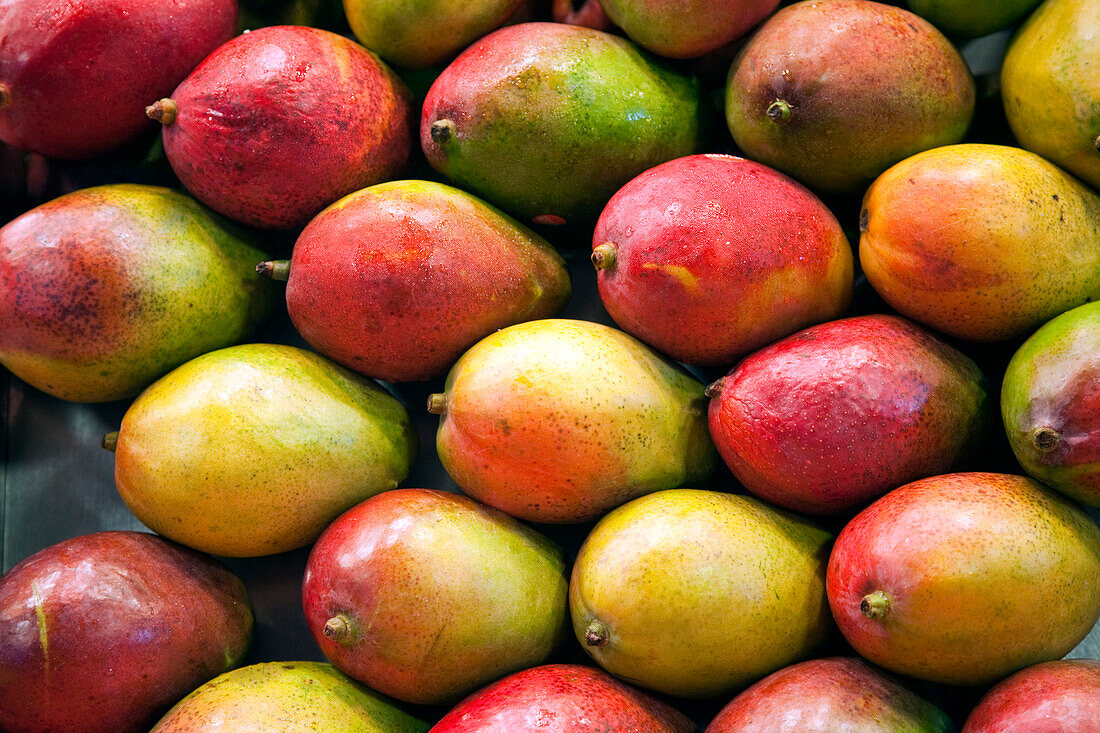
{"type": "Point", "coordinates": [508, 365]}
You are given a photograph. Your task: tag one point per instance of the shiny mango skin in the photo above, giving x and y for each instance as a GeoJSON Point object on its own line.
{"type": "Point", "coordinates": [287, 696]}
{"type": "Point", "coordinates": [414, 34]}
{"type": "Point", "coordinates": [846, 124]}
{"type": "Point", "coordinates": [439, 594]}
{"type": "Point", "coordinates": [551, 119]}
{"type": "Point", "coordinates": [699, 593]}
{"type": "Point", "coordinates": [278, 123]}
{"type": "Point", "coordinates": [974, 576]}
{"type": "Point", "coordinates": [972, 18]}
{"type": "Point", "coordinates": [687, 28]}
{"type": "Point", "coordinates": [715, 256]}
{"type": "Point", "coordinates": [1062, 695]}
{"type": "Point", "coordinates": [980, 242]}
{"type": "Point", "coordinates": [1050, 403]}
{"type": "Point", "coordinates": [560, 420]}
{"type": "Point", "coordinates": [397, 280]}
{"type": "Point", "coordinates": [104, 290]}
{"type": "Point", "coordinates": [826, 695]}
{"type": "Point", "coordinates": [831, 418]}
{"type": "Point", "coordinates": [105, 631]}
{"type": "Point", "coordinates": [254, 449]}
{"type": "Point", "coordinates": [80, 72]}
{"type": "Point", "coordinates": [562, 698]}
{"type": "Point", "coordinates": [1050, 87]}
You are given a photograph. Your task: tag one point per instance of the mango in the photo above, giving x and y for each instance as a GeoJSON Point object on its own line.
{"type": "Point", "coordinates": [426, 595]}
{"type": "Point", "coordinates": [971, 18]}
{"type": "Point", "coordinates": [1062, 695]}
{"type": "Point", "coordinates": [708, 257]}
{"type": "Point", "coordinates": [560, 420]}
{"type": "Point", "coordinates": [278, 123]}
{"type": "Point", "coordinates": [548, 120]}
{"type": "Point", "coordinates": [966, 578]}
{"type": "Point", "coordinates": [699, 593]}
{"type": "Point", "coordinates": [1050, 88]}
{"type": "Point", "coordinates": [397, 280]}
{"type": "Point", "coordinates": [981, 242]}
{"type": "Point", "coordinates": [416, 34]}
{"type": "Point", "coordinates": [104, 290]}
{"type": "Point", "coordinates": [105, 631]}
{"type": "Point", "coordinates": [1050, 403]}
{"type": "Point", "coordinates": [286, 696]}
{"type": "Point", "coordinates": [800, 98]}
{"type": "Point", "coordinates": [254, 449]}
{"type": "Point", "coordinates": [833, 694]}
{"type": "Point", "coordinates": [688, 29]}
{"type": "Point", "coordinates": [827, 420]}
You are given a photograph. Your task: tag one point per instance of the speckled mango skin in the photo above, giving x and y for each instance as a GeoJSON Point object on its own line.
{"type": "Point", "coordinates": [442, 594]}
{"type": "Point", "coordinates": [286, 696]}
{"type": "Point", "coordinates": [551, 119]}
{"type": "Point", "coordinates": [1055, 696]}
{"type": "Point", "coordinates": [827, 420]}
{"type": "Point", "coordinates": [868, 84]}
{"type": "Point", "coordinates": [562, 698]}
{"type": "Point", "coordinates": [1053, 382]}
{"type": "Point", "coordinates": [105, 631]}
{"type": "Point", "coordinates": [278, 123]}
{"type": "Point", "coordinates": [415, 34]}
{"type": "Point", "coordinates": [981, 242]}
{"type": "Point", "coordinates": [972, 18]}
{"type": "Point", "coordinates": [701, 592]}
{"type": "Point", "coordinates": [80, 72]}
{"type": "Point", "coordinates": [826, 695]}
{"type": "Point", "coordinates": [684, 29]}
{"type": "Point", "coordinates": [104, 290]}
{"type": "Point", "coordinates": [1050, 87]}
{"type": "Point", "coordinates": [560, 420]}
{"type": "Point", "coordinates": [717, 255]}
{"type": "Point", "coordinates": [254, 449]}
{"type": "Point", "coordinates": [983, 573]}
{"type": "Point", "coordinates": [396, 281]}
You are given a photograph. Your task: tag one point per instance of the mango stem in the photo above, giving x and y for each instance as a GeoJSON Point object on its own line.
{"type": "Point", "coordinates": [603, 257]}
{"type": "Point", "coordinates": [275, 269]}
{"type": "Point", "coordinates": [597, 634]}
{"type": "Point", "coordinates": [163, 111]}
{"type": "Point", "coordinates": [110, 441]}
{"type": "Point", "coordinates": [338, 629]}
{"type": "Point", "coordinates": [715, 388]}
{"type": "Point", "coordinates": [442, 131]}
{"type": "Point", "coordinates": [779, 111]}
{"type": "Point", "coordinates": [5, 95]}
{"type": "Point", "coordinates": [437, 403]}
{"type": "Point", "coordinates": [874, 605]}
{"type": "Point", "coordinates": [1045, 439]}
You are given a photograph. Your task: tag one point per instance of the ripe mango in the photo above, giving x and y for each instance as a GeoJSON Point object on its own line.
{"type": "Point", "coordinates": [684, 30]}
{"type": "Point", "coordinates": [982, 242]}
{"type": "Point", "coordinates": [1060, 696]}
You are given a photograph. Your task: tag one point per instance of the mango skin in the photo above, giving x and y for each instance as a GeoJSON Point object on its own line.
{"type": "Point", "coordinates": [983, 574]}
{"type": "Point", "coordinates": [104, 632]}
{"type": "Point", "coordinates": [833, 417]}
{"type": "Point", "coordinates": [846, 124]}
{"type": "Point", "coordinates": [560, 420]}
{"type": "Point", "coordinates": [981, 242]}
{"type": "Point", "coordinates": [80, 72]}
{"type": "Point", "coordinates": [1059, 696]}
{"type": "Point", "coordinates": [104, 290]}
{"type": "Point", "coordinates": [254, 449]}
{"type": "Point", "coordinates": [415, 34]}
{"type": "Point", "coordinates": [972, 18]}
{"type": "Point", "coordinates": [551, 119]}
{"type": "Point", "coordinates": [562, 698]}
{"type": "Point", "coordinates": [396, 281]}
{"type": "Point", "coordinates": [699, 592]}
{"type": "Point", "coordinates": [1050, 88]}
{"type": "Point", "coordinates": [715, 256]}
{"type": "Point", "coordinates": [833, 694]}
{"type": "Point", "coordinates": [688, 28]}
{"type": "Point", "coordinates": [278, 123]}
{"type": "Point", "coordinates": [441, 595]}
{"type": "Point", "coordinates": [286, 696]}
{"type": "Point", "coordinates": [1052, 383]}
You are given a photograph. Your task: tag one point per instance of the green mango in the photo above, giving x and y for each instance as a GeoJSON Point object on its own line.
{"type": "Point", "coordinates": [1050, 402]}
{"type": "Point", "coordinates": [289, 697]}
{"type": "Point", "coordinates": [547, 120]}
{"type": "Point", "coordinates": [105, 289]}
{"type": "Point", "coordinates": [972, 18]}
{"type": "Point", "coordinates": [1051, 88]}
